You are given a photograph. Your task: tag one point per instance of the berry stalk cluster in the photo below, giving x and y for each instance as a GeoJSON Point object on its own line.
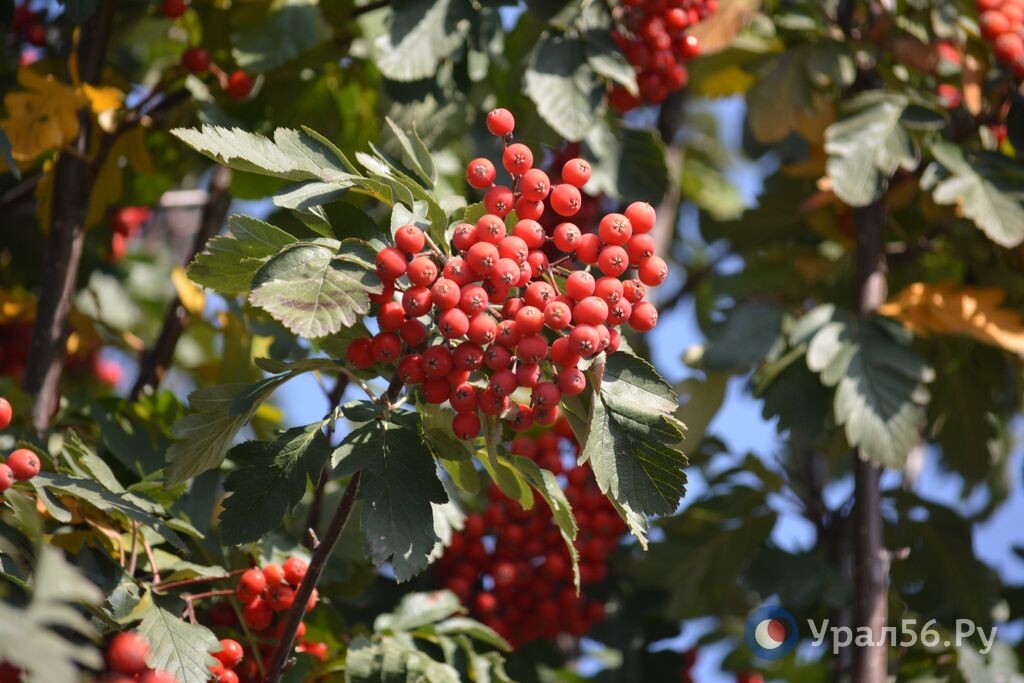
{"type": "Point", "coordinates": [196, 59]}
{"type": "Point", "coordinates": [510, 566]}
{"type": "Point", "coordinates": [499, 315]}
{"type": "Point", "coordinates": [652, 35]}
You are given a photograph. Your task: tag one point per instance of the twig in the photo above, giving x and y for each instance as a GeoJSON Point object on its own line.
{"type": "Point", "coordinates": [152, 561]}
{"type": "Point", "coordinates": [157, 586]}
{"type": "Point", "coordinates": [134, 553]}
{"type": "Point", "coordinates": [313, 516]}
{"type": "Point", "coordinates": [155, 361]}
{"type": "Point", "coordinates": [317, 563]}
{"type": "Point", "coordinates": [208, 594]}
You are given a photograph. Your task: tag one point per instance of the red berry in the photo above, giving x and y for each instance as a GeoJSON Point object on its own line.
{"type": "Point", "coordinates": [486, 603]}
{"type": "Point", "coordinates": [508, 333]}
{"type": "Point", "coordinates": [359, 353]}
{"type": "Point", "coordinates": [410, 239]}
{"type": "Point", "coordinates": [517, 158]}
{"type": "Point", "coordinates": [993, 24]}
{"type": "Point", "coordinates": [466, 425]}
{"type": "Point", "coordinates": [230, 654]}
{"type": "Point", "coordinates": [468, 356]}
{"type": "Point", "coordinates": [258, 614]}
{"type": "Point", "coordinates": [584, 340]}
{"type": "Point", "coordinates": [529, 210]}
{"type": "Point", "coordinates": [1009, 47]}
{"type": "Point", "coordinates": [529, 320]}
{"type": "Point", "coordinates": [619, 312]}
{"type": "Point", "coordinates": [522, 419]}
{"type": "Point", "coordinates": [385, 347]}
{"type": "Point", "coordinates": [505, 274]}
{"type": "Point", "coordinates": [159, 677]}
{"type": "Point", "coordinates": [413, 333]}
{"type": "Point", "coordinates": [641, 216]}
{"type": "Point", "coordinates": [566, 236]}
{"type": "Point", "coordinates": [474, 300]}
{"type": "Point", "coordinates": [463, 398]}
{"type": "Point", "coordinates": [490, 228]}
{"type": "Point", "coordinates": [530, 232]}
{"type": "Point", "coordinates": [503, 382]}
{"type": "Point", "coordinates": [481, 257]}
{"type": "Point", "coordinates": [294, 570]}
{"type": "Point", "coordinates": [644, 317]}
{"type": "Point", "coordinates": [390, 263]}
{"type": "Point", "coordinates": [497, 357]}
{"type": "Point", "coordinates": [437, 361]}
{"type": "Point", "coordinates": [535, 185]}
{"type": "Point", "coordinates": [532, 349]}
{"type": "Point", "coordinates": [609, 288]}
{"type": "Point", "coordinates": [436, 390]}
{"type": "Point", "coordinates": [227, 676]}
{"type": "Point", "coordinates": [196, 60]}
{"type": "Point", "coordinates": [445, 294]}
{"type": "Point", "coordinates": [416, 301]}
{"type": "Point", "coordinates": [410, 369]}
{"type": "Point", "coordinates": [634, 291]}
{"type": "Point", "coordinates": [576, 172]}
{"type": "Point", "coordinates": [590, 311]}
{"type": "Point", "coordinates": [390, 316]}
{"type": "Point", "coordinates": [280, 597]}
{"type": "Point", "coordinates": [239, 84]}
{"type": "Point", "coordinates": [500, 122]}
{"type": "Point", "coordinates": [514, 248]}
{"type": "Point", "coordinates": [499, 200]}
{"type": "Point", "coordinates": [557, 315]}
{"type": "Point", "coordinates": [480, 173]}
{"type": "Point", "coordinates": [127, 653]}
{"type": "Point", "coordinates": [640, 248]}
{"type": "Point", "coordinates": [652, 272]}
{"type": "Point", "coordinates": [588, 248]}
{"type": "Point", "coordinates": [482, 329]}
{"type": "Point", "coordinates": [563, 354]}
{"type": "Point", "coordinates": [615, 229]}
{"type": "Point", "coordinates": [566, 200]}
{"type": "Point", "coordinates": [422, 271]}
{"type": "Point", "coordinates": [538, 294]}
{"type": "Point", "coordinates": [6, 477]}
{"type": "Point", "coordinates": [613, 260]}
{"type": "Point", "coordinates": [6, 413]}
{"type": "Point", "coordinates": [273, 573]}
{"type": "Point", "coordinates": [24, 463]}
{"type": "Point", "coordinates": [465, 236]}
{"type": "Point", "coordinates": [580, 284]}
{"type": "Point", "coordinates": [527, 374]}
{"type": "Point", "coordinates": [172, 9]}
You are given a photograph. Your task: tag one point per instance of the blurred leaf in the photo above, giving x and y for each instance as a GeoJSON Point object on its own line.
{"type": "Point", "coordinates": [628, 163]}
{"type": "Point", "coordinates": [285, 31]}
{"type": "Point", "coordinates": [748, 334]}
{"type": "Point", "coordinates": [564, 87]}
{"type": "Point", "coordinates": [420, 37]}
{"type": "Point", "coordinates": [607, 60]}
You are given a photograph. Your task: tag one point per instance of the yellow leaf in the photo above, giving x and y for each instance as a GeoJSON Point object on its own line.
{"type": "Point", "coordinates": [731, 80]}
{"type": "Point", "coordinates": [192, 298]}
{"type": "Point", "coordinates": [103, 98]}
{"type": "Point", "coordinates": [41, 117]}
{"type": "Point", "coordinates": [944, 308]}
{"type": "Point", "coordinates": [16, 306]}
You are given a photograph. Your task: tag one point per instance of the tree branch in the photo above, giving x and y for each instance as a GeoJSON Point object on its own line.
{"type": "Point", "coordinates": [313, 516]}
{"type": "Point", "coordinates": [62, 256]}
{"type": "Point", "coordinates": [155, 361]}
{"type": "Point", "coordinates": [317, 563]}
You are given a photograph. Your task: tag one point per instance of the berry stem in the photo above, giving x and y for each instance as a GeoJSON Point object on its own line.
{"type": "Point", "coordinates": [208, 594]}
{"type": "Point", "coordinates": [433, 247]}
{"type": "Point", "coordinates": [196, 580]}
{"type": "Point", "coordinates": [317, 563]}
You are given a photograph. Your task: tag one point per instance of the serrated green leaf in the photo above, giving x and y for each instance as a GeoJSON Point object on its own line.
{"type": "Point", "coordinates": [420, 36]}
{"type": "Point", "coordinates": [745, 338]}
{"type": "Point", "coordinates": [38, 637]}
{"type": "Point", "coordinates": [399, 484]}
{"type": "Point", "coordinates": [994, 201]}
{"type": "Point", "coordinates": [270, 482]}
{"type": "Point", "coordinates": [203, 436]}
{"type": "Point", "coordinates": [419, 609]}
{"type": "Point", "coordinates": [867, 145]}
{"type": "Point", "coordinates": [291, 155]}
{"type": "Point", "coordinates": [630, 436]}
{"type": "Point", "coordinates": [314, 291]}
{"type": "Point", "coordinates": [415, 154]}
{"type": "Point", "coordinates": [394, 661]}
{"type": "Point", "coordinates": [567, 92]}
{"type": "Point", "coordinates": [96, 495]}
{"type": "Point", "coordinates": [629, 163]}
{"type": "Point", "coordinates": [176, 646]}
{"type": "Point", "coordinates": [229, 262]}
{"type": "Point", "coordinates": [474, 629]}
{"type": "Point", "coordinates": [605, 57]}
{"type": "Point", "coordinates": [286, 30]}
{"type": "Point", "coordinates": [879, 386]}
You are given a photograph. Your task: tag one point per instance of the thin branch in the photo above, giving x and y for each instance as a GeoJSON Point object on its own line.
{"type": "Point", "coordinates": [134, 554]}
{"type": "Point", "coordinates": [317, 563]}
{"type": "Point", "coordinates": [169, 585]}
{"type": "Point", "coordinates": [313, 516]}
{"type": "Point", "coordinates": [155, 361]}
{"type": "Point", "coordinates": [151, 559]}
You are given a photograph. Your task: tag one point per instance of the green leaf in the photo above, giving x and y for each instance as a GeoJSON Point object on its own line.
{"type": "Point", "coordinates": [564, 87]}
{"type": "Point", "coordinates": [314, 291]}
{"type": "Point", "coordinates": [177, 647]}
{"type": "Point", "coordinates": [474, 629]}
{"type": "Point", "coordinates": [270, 482]}
{"type": "Point", "coordinates": [203, 436]}
{"type": "Point", "coordinates": [630, 434]}
{"type": "Point", "coordinates": [605, 58]}
{"type": "Point", "coordinates": [748, 334]}
{"type": "Point", "coordinates": [228, 263]}
{"type": "Point", "coordinates": [399, 484]}
{"type": "Point", "coordinates": [415, 154]}
{"type": "Point", "coordinates": [96, 495]}
{"type": "Point", "coordinates": [867, 145]}
{"type": "Point", "coordinates": [780, 96]}
{"type": "Point", "coordinates": [48, 638]}
{"type": "Point", "coordinates": [980, 190]}
{"type": "Point", "coordinates": [420, 36]}
{"type": "Point", "coordinates": [419, 609]}
{"type": "Point", "coordinates": [879, 385]}
{"type": "Point", "coordinates": [287, 29]}
{"type": "Point", "coordinates": [628, 163]}
{"type": "Point", "coordinates": [291, 155]}
{"type": "Point", "coordinates": [394, 661]}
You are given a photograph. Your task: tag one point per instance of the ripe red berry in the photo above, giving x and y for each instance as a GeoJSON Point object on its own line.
{"type": "Point", "coordinates": [566, 200]}
{"type": "Point", "coordinates": [490, 228]}
{"type": "Point", "coordinates": [535, 185]}
{"type": "Point", "coordinates": [385, 347]}
{"type": "Point", "coordinates": [634, 291]}
{"type": "Point", "coordinates": [413, 333]}
{"type": "Point", "coordinates": [422, 271]}
{"type": "Point", "coordinates": [468, 356]}
{"type": "Point", "coordinates": [436, 390]}
{"type": "Point", "coordinates": [532, 349]}
{"type": "Point", "coordinates": [410, 369]}
{"type": "Point", "coordinates": [6, 413]}
{"type": "Point", "coordinates": [445, 294]}
{"type": "Point", "coordinates": [500, 122]}
{"type": "Point", "coordinates": [481, 257]}
{"type": "Point", "coordinates": [437, 361]}
{"type": "Point", "coordinates": [391, 263]}
{"type": "Point", "coordinates": [482, 329]}
{"type": "Point", "coordinates": [615, 229]}
{"type": "Point", "coordinates": [640, 248]}
{"type": "Point", "coordinates": [417, 301]}
{"type": "Point", "coordinates": [466, 425]}
{"type": "Point", "coordinates": [529, 210]}
{"type": "Point", "coordinates": [499, 200]}
{"type": "Point", "coordinates": [530, 232]}
{"type": "Point", "coordinates": [127, 653]}
{"type": "Point", "coordinates": [227, 676]}
{"type": "Point", "coordinates": [280, 597]}
{"type": "Point", "coordinates": [497, 357]}
{"type": "Point", "coordinates": [993, 24]}
{"type": "Point", "coordinates": [6, 477]}
{"type": "Point", "coordinates": [514, 248]}
{"type": "Point", "coordinates": [463, 398]}
{"type": "Point", "coordinates": [24, 464]}
{"type": "Point", "coordinates": [517, 158]}
{"type": "Point", "coordinates": [153, 676]}
{"type": "Point", "coordinates": [557, 315]}
{"type": "Point", "coordinates": [294, 570]}
{"type": "Point", "coordinates": [576, 172]}
{"type": "Point", "coordinates": [562, 353]}
{"type": "Point", "coordinates": [503, 382]}
{"type": "Point", "coordinates": [230, 654]}
{"type": "Point", "coordinates": [410, 239]}
{"type": "Point", "coordinates": [619, 312]}
{"type": "Point", "coordinates": [258, 614]}
{"type": "Point", "coordinates": [529, 320]}
{"type": "Point", "coordinates": [509, 333]}
{"type": "Point", "coordinates": [474, 300]}
{"type": "Point", "coordinates": [580, 284]}
{"type": "Point", "coordinates": [590, 311]}
{"type": "Point", "coordinates": [172, 9]}
{"type": "Point", "coordinates": [521, 419]}
{"type": "Point", "coordinates": [584, 340]}
{"type": "Point", "coordinates": [528, 374]}
{"type": "Point", "coordinates": [644, 317]}
{"type": "Point", "coordinates": [566, 236]}
{"type": "Point", "coordinates": [480, 173]}
{"type": "Point", "coordinates": [609, 288]}
{"type": "Point", "coordinates": [641, 216]}
{"type": "Point", "coordinates": [486, 603]}
{"type": "Point", "coordinates": [239, 85]}
{"type": "Point", "coordinates": [359, 353]}
{"type": "Point", "coordinates": [196, 60]}
{"type": "Point", "coordinates": [387, 292]}
{"type": "Point", "coordinates": [613, 260]}
{"type": "Point", "coordinates": [505, 275]}
{"type": "Point", "coordinates": [653, 271]}
{"type": "Point", "coordinates": [273, 573]}
{"type": "Point", "coordinates": [588, 248]}
{"type": "Point", "coordinates": [390, 316]}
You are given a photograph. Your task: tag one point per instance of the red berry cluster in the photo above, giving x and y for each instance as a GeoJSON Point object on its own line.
{"type": "Point", "coordinates": [1002, 24]}
{"type": "Point", "coordinates": [127, 222]}
{"type": "Point", "coordinates": [127, 653]}
{"type": "Point", "coordinates": [266, 593]}
{"type": "Point", "coordinates": [490, 304]}
{"type": "Point", "coordinates": [27, 25]}
{"type": "Point", "coordinates": [196, 59]}
{"type": "Point", "coordinates": [22, 464]}
{"type": "Point", "coordinates": [652, 35]}
{"type": "Point", "coordinates": [510, 566]}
